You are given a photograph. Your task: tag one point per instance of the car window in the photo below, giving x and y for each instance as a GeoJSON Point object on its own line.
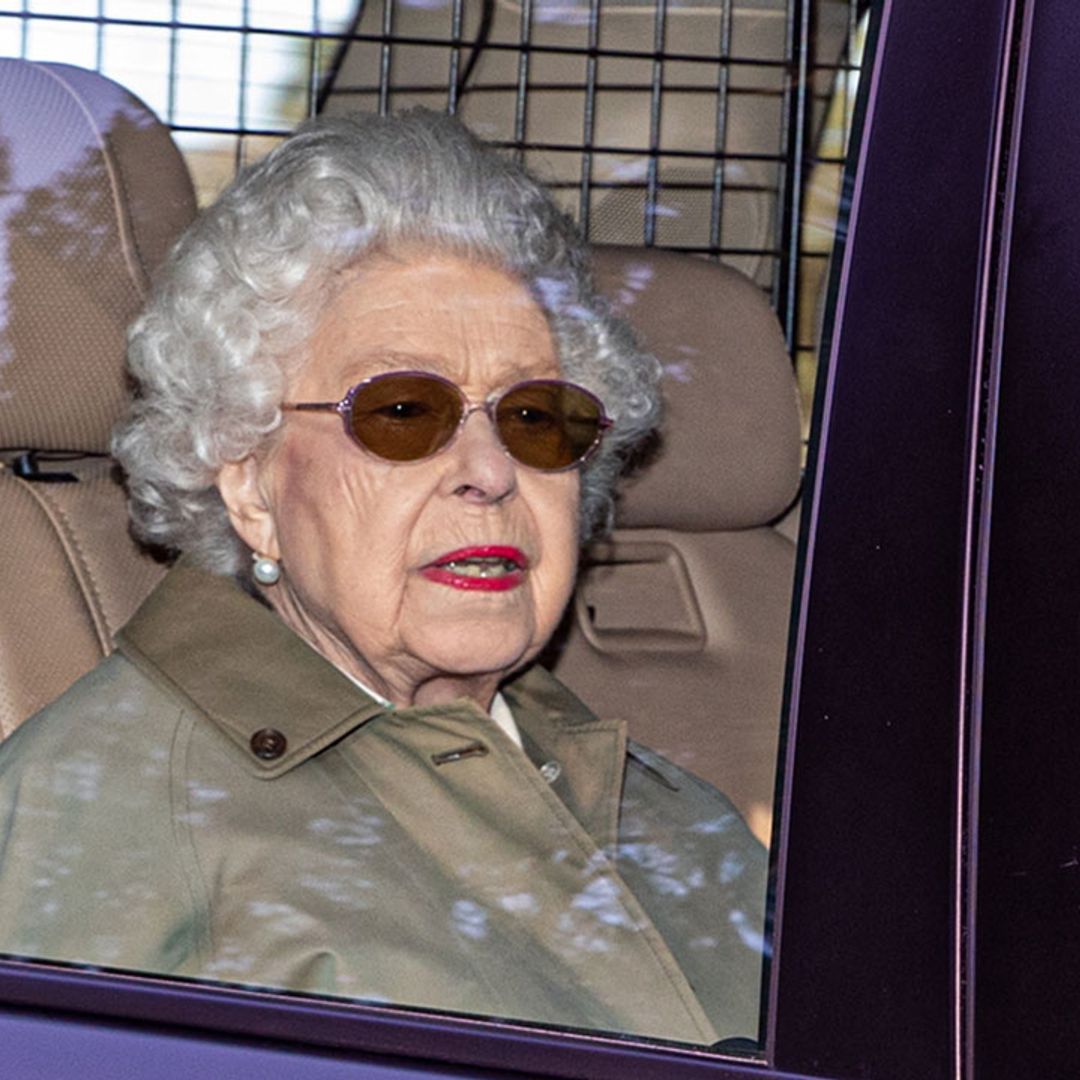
{"type": "Point", "coordinates": [664, 131]}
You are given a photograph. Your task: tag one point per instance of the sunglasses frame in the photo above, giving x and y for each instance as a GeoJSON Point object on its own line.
{"type": "Point", "coordinates": [489, 406]}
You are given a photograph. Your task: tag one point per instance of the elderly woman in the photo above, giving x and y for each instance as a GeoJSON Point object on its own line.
{"type": "Point", "coordinates": [378, 407]}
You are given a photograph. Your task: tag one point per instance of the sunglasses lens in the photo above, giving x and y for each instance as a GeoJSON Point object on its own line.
{"type": "Point", "coordinates": [549, 425]}
{"type": "Point", "coordinates": [405, 417]}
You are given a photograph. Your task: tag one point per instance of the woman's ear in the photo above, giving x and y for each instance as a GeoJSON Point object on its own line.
{"type": "Point", "coordinates": [241, 489]}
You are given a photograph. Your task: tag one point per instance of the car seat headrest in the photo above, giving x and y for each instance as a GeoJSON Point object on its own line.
{"type": "Point", "coordinates": [729, 454]}
{"type": "Point", "coordinates": [92, 193]}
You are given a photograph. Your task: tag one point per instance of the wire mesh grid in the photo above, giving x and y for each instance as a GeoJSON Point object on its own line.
{"type": "Point", "coordinates": [717, 127]}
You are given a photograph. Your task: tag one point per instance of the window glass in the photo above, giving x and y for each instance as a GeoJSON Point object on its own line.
{"type": "Point", "coordinates": [261, 786]}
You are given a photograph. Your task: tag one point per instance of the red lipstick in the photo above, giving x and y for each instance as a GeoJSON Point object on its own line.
{"type": "Point", "coordinates": [485, 568]}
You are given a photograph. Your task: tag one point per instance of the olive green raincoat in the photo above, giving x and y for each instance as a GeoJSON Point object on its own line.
{"type": "Point", "coordinates": [217, 800]}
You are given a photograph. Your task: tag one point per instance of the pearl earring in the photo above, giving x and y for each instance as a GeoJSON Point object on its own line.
{"type": "Point", "coordinates": [266, 571]}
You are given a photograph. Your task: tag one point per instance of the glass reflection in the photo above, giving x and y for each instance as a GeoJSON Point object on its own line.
{"type": "Point", "coordinates": [232, 796]}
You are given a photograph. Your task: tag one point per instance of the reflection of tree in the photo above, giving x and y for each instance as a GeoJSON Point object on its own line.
{"type": "Point", "coordinates": [69, 290]}
{"type": "Point", "coordinates": [73, 219]}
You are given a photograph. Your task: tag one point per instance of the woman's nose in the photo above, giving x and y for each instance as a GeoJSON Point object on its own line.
{"type": "Point", "coordinates": [482, 471]}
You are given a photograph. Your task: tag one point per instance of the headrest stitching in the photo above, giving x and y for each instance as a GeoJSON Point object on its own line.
{"type": "Point", "coordinates": [69, 541]}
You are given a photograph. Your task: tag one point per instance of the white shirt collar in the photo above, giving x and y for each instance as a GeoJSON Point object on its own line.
{"type": "Point", "coordinates": [501, 714]}
{"type": "Point", "coordinates": [500, 711]}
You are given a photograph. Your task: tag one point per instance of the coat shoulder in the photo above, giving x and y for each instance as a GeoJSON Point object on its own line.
{"type": "Point", "coordinates": [114, 705]}
{"type": "Point", "coordinates": [683, 795]}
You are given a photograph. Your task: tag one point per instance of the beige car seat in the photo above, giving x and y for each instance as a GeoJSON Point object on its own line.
{"type": "Point", "coordinates": [680, 621]}
{"type": "Point", "coordinates": [92, 194]}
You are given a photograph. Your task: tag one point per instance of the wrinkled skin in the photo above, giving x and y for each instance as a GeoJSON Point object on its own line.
{"type": "Point", "coordinates": [353, 533]}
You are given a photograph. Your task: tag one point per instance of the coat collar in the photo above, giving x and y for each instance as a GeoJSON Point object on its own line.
{"type": "Point", "coordinates": [203, 637]}
{"type": "Point", "coordinates": [589, 752]}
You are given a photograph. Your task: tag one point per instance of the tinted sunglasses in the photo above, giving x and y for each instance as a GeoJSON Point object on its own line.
{"type": "Point", "coordinates": [403, 416]}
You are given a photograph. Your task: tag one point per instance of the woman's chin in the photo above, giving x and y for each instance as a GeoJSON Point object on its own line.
{"type": "Point", "coordinates": [474, 648]}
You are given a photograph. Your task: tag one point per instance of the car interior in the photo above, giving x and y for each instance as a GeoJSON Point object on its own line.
{"type": "Point", "coordinates": [680, 619]}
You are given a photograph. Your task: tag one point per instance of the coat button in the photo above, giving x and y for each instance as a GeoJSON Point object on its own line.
{"type": "Point", "coordinates": [551, 771]}
{"type": "Point", "coordinates": [268, 744]}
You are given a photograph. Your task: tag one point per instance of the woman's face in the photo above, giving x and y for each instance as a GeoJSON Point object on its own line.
{"type": "Point", "coordinates": [360, 540]}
